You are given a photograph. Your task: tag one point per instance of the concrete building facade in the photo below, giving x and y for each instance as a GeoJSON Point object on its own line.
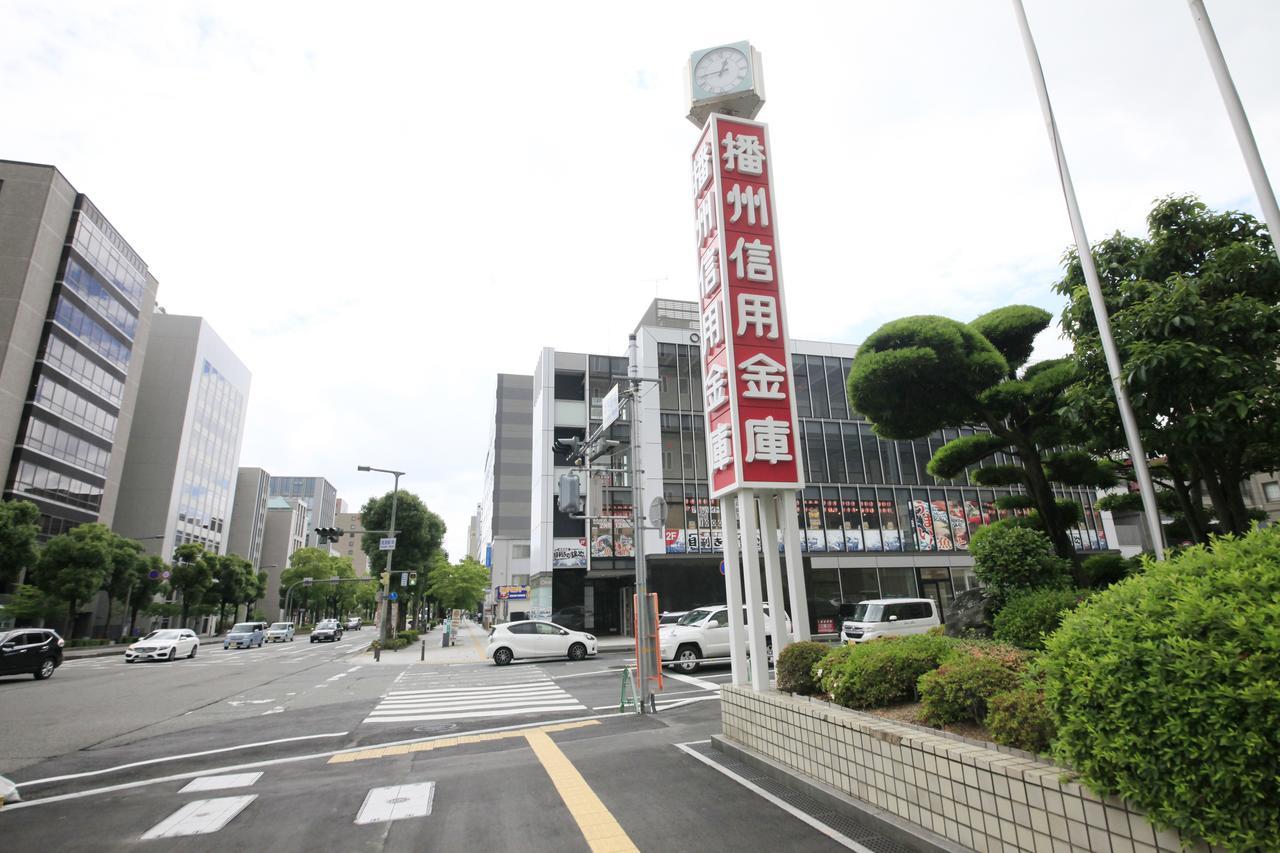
{"type": "Point", "coordinates": [249, 515]}
{"type": "Point", "coordinates": [76, 306]}
{"type": "Point", "coordinates": [349, 545]}
{"type": "Point", "coordinates": [181, 467]}
{"type": "Point", "coordinates": [316, 494]}
{"type": "Point", "coordinates": [284, 532]}
{"type": "Point", "coordinates": [501, 525]}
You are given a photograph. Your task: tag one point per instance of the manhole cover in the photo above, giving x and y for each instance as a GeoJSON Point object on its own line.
{"type": "Point", "coordinates": [436, 729]}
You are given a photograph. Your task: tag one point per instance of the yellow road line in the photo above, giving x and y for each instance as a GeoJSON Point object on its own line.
{"type": "Point", "coordinates": [601, 830]}
{"type": "Point", "coordinates": [441, 743]}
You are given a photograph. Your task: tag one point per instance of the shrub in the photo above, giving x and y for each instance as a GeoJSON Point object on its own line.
{"type": "Point", "coordinates": [1102, 570]}
{"type": "Point", "coordinates": [1008, 558]}
{"type": "Point", "coordinates": [885, 672]}
{"type": "Point", "coordinates": [1027, 617]}
{"type": "Point", "coordinates": [1010, 657]}
{"type": "Point", "coordinates": [1020, 718]}
{"type": "Point", "coordinates": [795, 667]}
{"type": "Point", "coordinates": [826, 670]}
{"type": "Point", "coordinates": [961, 688]}
{"type": "Point", "coordinates": [1165, 690]}
{"type": "Point", "coordinates": [409, 637]}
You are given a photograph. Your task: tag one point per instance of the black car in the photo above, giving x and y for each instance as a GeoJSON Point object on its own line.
{"type": "Point", "coordinates": [330, 631]}
{"type": "Point", "coordinates": [34, 650]}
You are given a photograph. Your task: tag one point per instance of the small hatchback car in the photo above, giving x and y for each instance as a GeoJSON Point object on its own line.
{"type": "Point", "coordinates": [329, 631]}
{"type": "Point", "coordinates": [889, 617]}
{"type": "Point", "coordinates": [37, 651]}
{"type": "Point", "coordinates": [536, 639]}
{"type": "Point", "coordinates": [247, 634]}
{"type": "Point", "coordinates": [280, 632]}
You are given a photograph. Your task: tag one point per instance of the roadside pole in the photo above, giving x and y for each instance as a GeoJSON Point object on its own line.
{"type": "Point", "coordinates": [643, 629]}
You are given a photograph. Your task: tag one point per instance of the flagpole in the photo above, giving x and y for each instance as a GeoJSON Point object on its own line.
{"type": "Point", "coordinates": [1239, 122]}
{"type": "Point", "coordinates": [1136, 454]}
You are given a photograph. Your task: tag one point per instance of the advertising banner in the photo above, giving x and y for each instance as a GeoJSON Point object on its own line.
{"type": "Point", "coordinates": [569, 554]}
{"type": "Point", "coordinates": [514, 593]}
{"type": "Point", "coordinates": [750, 411]}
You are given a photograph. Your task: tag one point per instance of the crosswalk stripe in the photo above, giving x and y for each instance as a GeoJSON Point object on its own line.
{"type": "Point", "coordinates": [483, 691]}
{"type": "Point", "coordinates": [411, 718]}
{"type": "Point", "coordinates": [487, 700]}
{"type": "Point", "coordinates": [462, 706]}
{"type": "Point", "coordinates": [200, 817]}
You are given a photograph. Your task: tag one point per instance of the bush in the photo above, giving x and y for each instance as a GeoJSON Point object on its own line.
{"type": "Point", "coordinates": [1102, 570]}
{"type": "Point", "coordinates": [1008, 558]}
{"type": "Point", "coordinates": [82, 642]}
{"type": "Point", "coordinates": [1165, 690]}
{"type": "Point", "coordinates": [409, 637]}
{"type": "Point", "coordinates": [1020, 718]}
{"type": "Point", "coordinates": [1010, 657]}
{"type": "Point", "coordinates": [796, 664]}
{"type": "Point", "coordinates": [885, 672]}
{"type": "Point", "coordinates": [826, 670]}
{"type": "Point", "coordinates": [393, 643]}
{"type": "Point", "coordinates": [1028, 617]}
{"type": "Point", "coordinates": [960, 689]}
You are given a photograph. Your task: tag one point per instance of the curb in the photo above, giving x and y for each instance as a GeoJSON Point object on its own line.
{"type": "Point", "coordinates": [105, 651]}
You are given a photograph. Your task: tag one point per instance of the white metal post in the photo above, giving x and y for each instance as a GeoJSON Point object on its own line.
{"type": "Point", "coordinates": [644, 640]}
{"type": "Point", "coordinates": [759, 662]}
{"type": "Point", "coordinates": [733, 591]}
{"type": "Point", "coordinates": [773, 571]}
{"type": "Point", "coordinates": [1137, 455]}
{"type": "Point", "coordinates": [795, 565]}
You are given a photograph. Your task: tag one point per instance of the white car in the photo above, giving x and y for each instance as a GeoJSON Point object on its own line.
{"type": "Point", "coordinates": [280, 632]}
{"type": "Point", "coordinates": [533, 638]}
{"type": "Point", "coordinates": [889, 617]}
{"type": "Point", "coordinates": [165, 644]}
{"type": "Point", "coordinates": [703, 633]}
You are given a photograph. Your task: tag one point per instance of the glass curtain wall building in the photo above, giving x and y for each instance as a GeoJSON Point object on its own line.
{"type": "Point", "coordinates": [318, 496]}
{"type": "Point", "coordinates": [873, 522]}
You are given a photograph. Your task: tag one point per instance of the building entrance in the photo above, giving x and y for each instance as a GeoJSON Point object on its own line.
{"type": "Point", "coordinates": [935, 583]}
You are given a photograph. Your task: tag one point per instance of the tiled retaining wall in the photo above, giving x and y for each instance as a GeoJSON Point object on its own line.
{"type": "Point", "coordinates": [974, 795]}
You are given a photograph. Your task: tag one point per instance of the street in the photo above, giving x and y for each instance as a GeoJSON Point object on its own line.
{"type": "Point", "coordinates": [296, 745]}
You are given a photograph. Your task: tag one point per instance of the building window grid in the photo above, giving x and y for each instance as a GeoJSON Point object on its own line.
{"type": "Point", "coordinates": [78, 367]}
{"type": "Point", "coordinates": [86, 286]}
{"type": "Point", "coordinates": [88, 331]}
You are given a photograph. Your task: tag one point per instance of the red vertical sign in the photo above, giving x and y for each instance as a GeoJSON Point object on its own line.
{"type": "Point", "coordinates": [751, 423]}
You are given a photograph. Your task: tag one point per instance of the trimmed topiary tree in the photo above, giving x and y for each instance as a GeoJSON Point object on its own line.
{"type": "Point", "coordinates": [826, 670]}
{"type": "Point", "coordinates": [1102, 570]}
{"type": "Point", "coordinates": [960, 689]}
{"type": "Point", "coordinates": [885, 672]}
{"type": "Point", "coordinates": [1028, 617]}
{"type": "Point", "coordinates": [1165, 690]}
{"type": "Point", "coordinates": [1019, 718]}
{"type": "Point", "coordinates": [796, 664]}
{"type": "Point", "coordinates": [1009, 558]}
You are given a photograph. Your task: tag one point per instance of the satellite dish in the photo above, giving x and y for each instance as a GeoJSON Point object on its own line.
{"type": "Point", "coordinates": [657, 513]}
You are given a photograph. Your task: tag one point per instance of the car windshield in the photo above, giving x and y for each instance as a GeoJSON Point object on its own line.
{"type": "Point", "coordinates": [670, 618]}
{"type": "Point", "coordinates": [866, 612]}
{"type": "Point", "coordinates": [244, 628]}
{"type": "Point", "coordinates": [693, 617]}
{"type": "Point", "coordinates": [281, 626]}
{"type": "Point", "coordinates": [163, 635]}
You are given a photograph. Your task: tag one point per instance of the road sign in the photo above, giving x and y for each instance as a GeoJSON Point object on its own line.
{"type": "Point", "coordinates": [393, 595]}
{"type": "Point", "coordinates": [165, 574]}
{"type": "Point", "coordinates": [387, 543]}
{"type": "Point", "coordinates": [404, 579]}
{"type": "Point", "coordinates": [657, 512]}
{"type": "Point", "coordinates": [722, 567]}
{"type": "Point", "coordinates": [307, 581]}
{"type": "Point", "coordinates": [609, 407]}
{"type": "Point", "coordinates": [153, 574]}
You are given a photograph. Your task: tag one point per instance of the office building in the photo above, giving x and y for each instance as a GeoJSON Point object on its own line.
{"type": "Point", "coordinates": [249, 515]}
{"type": "Point", "coordinates": [284, 532]}
{"type": "Point", "coordinates": [501, 526]}
{"type": "Point", "coordinates": [316, 494]}
{"type": "Point", "coordinates": [873, 522]}
{"type": "Point", "coordinates": [184, 449]}
{"type": "Point", "coordinates": [76, 307]}
{"type": "Point", "coordinates": [349, 545]}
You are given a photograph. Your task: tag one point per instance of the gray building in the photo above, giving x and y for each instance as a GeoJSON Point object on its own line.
{"type": "Point", "coordinates": [284, 533]}
{"type": "Point", "coordinates": [501, 538]}
{"type": "Point", "coordinates": [76, 305]}
{"type": "Point", "coordinates": [349, 544]}
{"type": "Point", "coordinates": [249, 515]}
{"type": "Point", "coordinates": [184, 449]}
{"type": "Point", "coordinates": [317, 494]}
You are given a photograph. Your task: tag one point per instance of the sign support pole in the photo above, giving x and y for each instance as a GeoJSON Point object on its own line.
{"type": "Point", "coordinates": [733, 591]}
{"type": "Point", "coordinates": [644, 630]}
{"type": "Point", "coordinates": [759, 661]}
{"type": "Point", "coordinates": [772, 571]}
{"type": "Point", "coordinates": [795, 565]}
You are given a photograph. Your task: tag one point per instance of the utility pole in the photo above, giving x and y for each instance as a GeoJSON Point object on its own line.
{"type": "Point", "coordinates": [643, 628]}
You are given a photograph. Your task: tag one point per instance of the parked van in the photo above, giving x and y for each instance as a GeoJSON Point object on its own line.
{"type": "Point", "coordinates": [889, 617]}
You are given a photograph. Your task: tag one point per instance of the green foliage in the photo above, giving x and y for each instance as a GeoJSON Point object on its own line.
{"type": "Point", "coordinates": [19, 527]}
{"type": "Point", "coordinates": [916, 375]}
{"type": "Point", "coordinates": [420, 537]}
{"type": "Point", "coordinates": [29, 605]}
{"type": "Point", "coordinates": [1012, 330]}
{"type": "Point", "coordinates": [795, 667]}
{"type": "Point", "coordinates": [827, 670]}
{"type": "Point", "coordinates": [1020, 718]}
{"type": "Point", "coordinates": [319, 599]}
{"type": "Point", "coordinates": [1014, 502]}
{"type": "Point", "coordinates": [190, 576]}
{"type": "Point", "coordinates": [1030, 615]}
{"type": "Point", "coordinates": [1102, 570]}
{"type": "Point", "coordinates": [885, 672]}
{"type": "Point", "coordinates": [410, 637]}
{"type": "Point", "coordinates": [999, 475]}
{"type": "Point", "coordinates": [458, 585]}
{"type": "Point", "coordinates": [1165, 689]}
{"type": "Point", "coordinates": [961, 687]}
{"type": "Point", "coordinates": [1079, 468]}
{"type": "Point", "coordinates": [73, 566]}
{"type": "Point", "coordinates": [953, 457]}
{"type": "Point", "coordinates": [1009, 558]}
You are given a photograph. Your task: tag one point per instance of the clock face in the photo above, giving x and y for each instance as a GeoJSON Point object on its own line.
{"type": "Point", "coordinates": [722, 70]}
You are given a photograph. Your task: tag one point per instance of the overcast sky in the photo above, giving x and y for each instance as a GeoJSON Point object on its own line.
{"type": "Point", "coordinates": [380, 206]}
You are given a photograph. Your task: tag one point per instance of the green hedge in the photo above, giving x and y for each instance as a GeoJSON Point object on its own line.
{"type": "Point", "coordinates": [1020, 718]}
{"type": "Point", "coordinates": [961, 687]}
{"type": "Point", "coordinates": [826, 670]}
{"type": "Point", "coordinates": [1165, 689]}
{"type": "Point", "coordinates": [393, 643]}
{"type": "Point", "coordinates": [885, 672]}
{"type": "Point", "coordinates": [409, 636]}
{"type": "Point", "coordinates": [1028, 617]}
{"type": "Point", "coordinates": [795, 667]}
{"type": "Point", "coordinates": [84, 642]}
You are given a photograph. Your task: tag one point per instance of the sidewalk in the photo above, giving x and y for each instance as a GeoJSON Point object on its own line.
{"type": "Point", "coordinates": [93, 651]}
{"type": "Point", "coordinates": [468, 647]}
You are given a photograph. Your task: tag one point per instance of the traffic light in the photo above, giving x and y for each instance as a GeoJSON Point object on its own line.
{"type": "Point", "coordinates": [328, 534]}
{"type": "Point", "coordinates": [413, 578]}
{"type": "Point", "coordinates": [570, 499]}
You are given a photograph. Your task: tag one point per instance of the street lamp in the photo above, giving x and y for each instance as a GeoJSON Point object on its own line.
{"type": "Point", "coordinates": [386, 574]}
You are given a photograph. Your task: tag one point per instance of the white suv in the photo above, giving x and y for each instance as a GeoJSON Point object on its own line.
{"type": "Point", "coordinates": [703, 633]}
{"type": "Point", "coordinates": [889, 617]}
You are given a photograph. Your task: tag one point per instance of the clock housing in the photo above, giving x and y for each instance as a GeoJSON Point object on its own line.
{"type": "Point", "coordinates": [718, 80]}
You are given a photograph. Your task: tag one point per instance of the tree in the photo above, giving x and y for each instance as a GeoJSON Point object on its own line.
{"type": "Point", "coordinates": [320, 565]}
{"type": "Point", "coordinates": [145, 586]}
{"type": "Point", "coordinates": [917, 375]}
{"type": "Point", "coordinates": [421, 533]}
{"type": "Point", "coordinates": [19, 529]}
{"type": "Point", "coordinates": [234, 574]}
{"type": "Point", "coordinates": [1195, 311]}
{"type": "Point", "coordinates": [253, 591]}
{"type": "Point", "coordinates": [458, 584]}
{"type": "Point", "coordinates": [30, 605]}
{"type": "Point", "coordinates": [191, 576]}
{"type": "Point", "coordinates": [73, 566]}
{"type": "Point", "coordinates": [126, 554]}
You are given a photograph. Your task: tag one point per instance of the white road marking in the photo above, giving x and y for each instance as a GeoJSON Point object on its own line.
{"type": "Point", "coordinates": [200, 817]}
{"type": "Point", "coordinates": [838, 837]}
{"type": "Point", "coordinates": [279, 709]}
{"type": "Point", "coordinates": [396, 803]}
{"type": "Point", "coordinates": [130, 766]}
{"type": "Point", "coordinates": [490, 700]}
{"type": "Point", "coordinates": [218, 783]}
{"type": "Point", "coordinates": [336, 677]}
{"type": "Point", "coordinates": [696, 682]}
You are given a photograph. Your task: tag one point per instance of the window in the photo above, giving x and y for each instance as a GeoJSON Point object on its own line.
{"type": "Point", "coordinates": [571, 385]}
{"type": "Point", "coordinates": [520, 552]}
{"type": "Point", "coordinates": [545, 628]}
{"type": "Point", "coordinates": [525, 628]}
{"type": "Point", "coordinates": [1271, 492]}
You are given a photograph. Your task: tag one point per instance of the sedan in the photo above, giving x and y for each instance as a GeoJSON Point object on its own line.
{"type": "Point", "coordinates": [329, 631]}
{"type": "Point", "coordinates": [280, 632]}
{"type": "Point", "coordinates": [247, 634]}
{"type": "Point", "coordinates": [533, 638]}
{"type": "Point", "coordinates": [165, 644]}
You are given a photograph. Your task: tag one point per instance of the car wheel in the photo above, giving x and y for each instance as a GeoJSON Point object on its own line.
{"type": "Point", "coordinates": [313, 639]}
{"type": "Point", "coordinates": [173, 652]}
{"type": "Point", "coordinates": [194, 649]}
{"type": "Point", "coordinates": [502, 657]}
{"type": "Point", "coordinates": [45, 670]}
{"type": "Point", "coordinates": [577, 651]}
{"type": "Point", "coordinates": [687, 658]}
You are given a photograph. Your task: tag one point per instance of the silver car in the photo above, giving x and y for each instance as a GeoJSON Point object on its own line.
{"type": "Point", "coordinates": [280, 632]}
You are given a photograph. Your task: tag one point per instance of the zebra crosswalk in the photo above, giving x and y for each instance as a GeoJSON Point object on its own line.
{"type": "Point", "coordinates": [445, 701]}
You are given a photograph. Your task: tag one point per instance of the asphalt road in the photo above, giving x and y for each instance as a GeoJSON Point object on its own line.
{"type": "Point", "coordinates": [325, 748]}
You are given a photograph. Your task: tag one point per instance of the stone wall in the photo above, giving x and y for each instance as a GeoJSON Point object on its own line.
{"type": "Point", "coordinates": [976, 795]}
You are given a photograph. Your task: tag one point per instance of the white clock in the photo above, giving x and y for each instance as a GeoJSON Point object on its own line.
{"type": "Point", "coordinates": [722, 70]}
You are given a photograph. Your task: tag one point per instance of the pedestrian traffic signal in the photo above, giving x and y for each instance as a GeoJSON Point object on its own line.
{"type": "Point", "coordinates": [413, 578]}
{"type": "Point", "coordinates": [328, 534]}
{"type": "Point", "coordinates": [570, 497]}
